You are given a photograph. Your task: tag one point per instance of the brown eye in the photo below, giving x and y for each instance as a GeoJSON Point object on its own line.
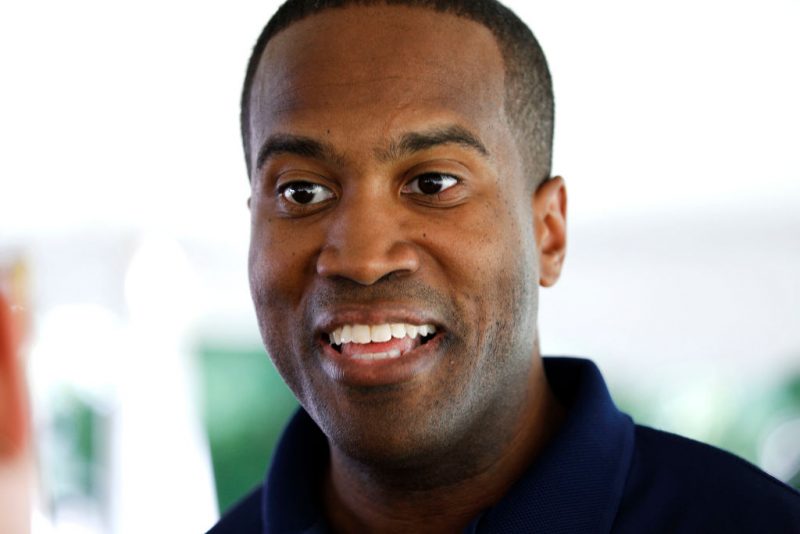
{"type": "Point", "coordinates": [430, 183]}
{"type": "Point", "coordinates": [305, 193]}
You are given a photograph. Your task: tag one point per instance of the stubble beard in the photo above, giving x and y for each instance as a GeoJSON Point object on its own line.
{"type": "Point", "coordinates": [444, 437]}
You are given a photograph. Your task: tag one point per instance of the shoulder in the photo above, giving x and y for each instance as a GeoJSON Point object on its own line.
{"type": "Point", "coordinates": [675, 461]}
{"type": "Point", "coordinates": [243, 518]}
{"type": "Point", "coordinates": [675, 483]}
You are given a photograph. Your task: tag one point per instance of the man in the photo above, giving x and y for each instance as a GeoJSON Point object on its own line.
{"type": "Point", "coordinates": [403, 215]}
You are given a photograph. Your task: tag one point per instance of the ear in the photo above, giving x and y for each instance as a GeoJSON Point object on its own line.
{"type": "Point", "coordinates": [550, 228]}
{"type": "Point", "coordinates": [12, 403]}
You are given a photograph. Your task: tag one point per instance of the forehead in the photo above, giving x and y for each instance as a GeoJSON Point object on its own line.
{"type": "Point", "coordinates": [378, 70]}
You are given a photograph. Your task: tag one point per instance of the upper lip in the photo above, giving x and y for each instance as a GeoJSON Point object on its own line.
{"type": "Point", "coordinates": [327, 321]}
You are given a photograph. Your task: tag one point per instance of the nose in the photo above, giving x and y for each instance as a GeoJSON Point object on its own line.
{"type": "Point", "coordinates": [365, 242]}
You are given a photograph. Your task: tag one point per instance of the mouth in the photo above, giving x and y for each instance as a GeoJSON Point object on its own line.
{"type": "Point", "coordinates": [367, 355]}
{"type": "Point", "coordinates": [379, 342]}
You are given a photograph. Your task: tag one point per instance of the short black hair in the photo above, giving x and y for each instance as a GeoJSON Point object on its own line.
{"type": "Point", "coordinates": [529, 91]}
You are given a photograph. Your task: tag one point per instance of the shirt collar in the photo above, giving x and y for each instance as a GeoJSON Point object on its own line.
{"type": "Point", "coordinates": [585, 464]}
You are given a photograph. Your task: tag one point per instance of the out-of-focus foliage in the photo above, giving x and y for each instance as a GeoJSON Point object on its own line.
{"type": "Point", "coordinates": [245, 406]}
{"type": "Point", "coordinates": [746, 421]}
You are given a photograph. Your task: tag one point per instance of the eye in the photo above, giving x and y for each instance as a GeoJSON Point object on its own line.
{"type": "Point", "coordinates": [430, 183]}
{"type": "Point", "coordinates": [305, 193]}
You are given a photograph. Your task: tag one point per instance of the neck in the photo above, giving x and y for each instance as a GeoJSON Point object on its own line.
{"type": "Point", "coordinates": [445, 493]}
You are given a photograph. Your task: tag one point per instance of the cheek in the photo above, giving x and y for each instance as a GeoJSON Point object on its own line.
{"type": "Point", "coordinates": [278, 265]}
{"type": "Point", "coordinates": [280, 258]}
{"type": "Point", "coordinates": [488, 260]}
{"type": "Point", "coordinates": [487, 245]}
{"type": "Point", "coordinates": [275, 266]}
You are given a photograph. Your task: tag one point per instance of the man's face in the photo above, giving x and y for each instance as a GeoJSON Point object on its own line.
{"type": "Point", "coordinates": [387, 190]}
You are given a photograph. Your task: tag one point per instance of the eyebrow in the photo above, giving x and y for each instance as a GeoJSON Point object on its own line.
{"type": "Point", "coordinates": [298, 145]}
{"type": "Point", "coordinates": [408, 143]}
{"type": "Point", "coordinates": [418, 141]}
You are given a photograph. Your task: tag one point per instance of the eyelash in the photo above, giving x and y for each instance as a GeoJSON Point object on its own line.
{"type": "Point", "coordinates": [449, 179]}
{"type": "Point", "coordinates": [303, 185]}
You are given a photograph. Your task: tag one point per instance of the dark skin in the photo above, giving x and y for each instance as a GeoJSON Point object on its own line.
{"type": "Point", "coordinates": [388, 187]}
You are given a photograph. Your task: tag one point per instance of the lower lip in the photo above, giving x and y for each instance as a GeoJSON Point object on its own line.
{"type": "Point", "coordinates": [382, 372]}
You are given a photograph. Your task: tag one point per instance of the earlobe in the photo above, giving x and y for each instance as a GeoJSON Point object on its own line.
{"type": "Point", "coordinates": [550, 227]}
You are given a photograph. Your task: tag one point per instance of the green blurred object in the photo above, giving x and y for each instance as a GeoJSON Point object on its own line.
{"type": "Point", "coordinates": [795, 482]}
{"type": "Point", "coordinates": [735, 418]}
{"type": "Point", "coordinates": [70, 451]}
{"type": "Point", "coordinates": [245, 407]}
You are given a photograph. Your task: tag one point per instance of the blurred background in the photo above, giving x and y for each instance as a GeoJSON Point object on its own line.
{"type": "Point", "coordinates": [124, 231]}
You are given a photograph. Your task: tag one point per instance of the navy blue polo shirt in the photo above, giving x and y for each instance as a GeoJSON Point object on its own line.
{"type": "Point", "coordinates": [600, 473]}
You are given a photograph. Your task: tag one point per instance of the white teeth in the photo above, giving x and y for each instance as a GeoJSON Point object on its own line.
{"type": "Point", "coordinates": [347, 334]}
{"type": "Point", "coordinates": [361, 333]}
{"type": "Point", "coordinates": [398, 330]}
{"type": "Point", "coordinates": [380, 333]}
{"type": "Point", "coordinates": [394, 353]}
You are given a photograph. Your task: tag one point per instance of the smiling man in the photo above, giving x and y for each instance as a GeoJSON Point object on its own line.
{"type": "Point", "coordinates": [403, 217]}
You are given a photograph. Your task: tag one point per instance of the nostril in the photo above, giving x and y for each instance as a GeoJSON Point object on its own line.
{"type": "Point", "coordinates": [367, 264]}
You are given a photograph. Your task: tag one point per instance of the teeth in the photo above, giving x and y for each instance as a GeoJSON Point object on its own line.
{"type": "Point", "coordinates": [361, 333]}
{"type": "Point", "coordinates": [378, 355]}
{"type": "Point", "coordinates": [398, 330]}
{"type": "Point", "coordinates": [347, 334]}
{"type": "Point", "coordinates": [379, 333]}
